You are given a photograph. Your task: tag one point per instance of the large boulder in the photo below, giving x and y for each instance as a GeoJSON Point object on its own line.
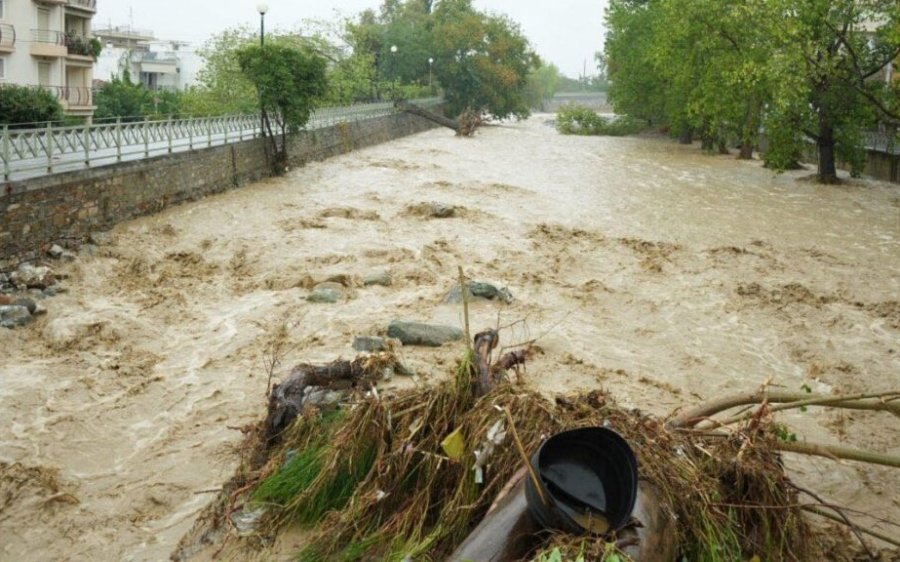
{"type": "Point", "coordinates": [429, 335]}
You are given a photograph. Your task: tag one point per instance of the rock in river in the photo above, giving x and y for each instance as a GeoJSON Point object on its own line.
{"type": "Point", "coordinates": [384, 279]}
{"type": "Point", "coordinates": [369, 344]}
{"type": "Point", "coordinates": [33, 277]}
{"type": "Point", "coordinates": [413, 333]}
{"type": "Point", "coordinates": [13, 316]}
{"type": "Point", "coordinates": [481, 290]}
{"type": "Point", "coordinates": [328, 293]}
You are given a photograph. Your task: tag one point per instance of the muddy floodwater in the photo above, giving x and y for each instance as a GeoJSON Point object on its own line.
{"type": "Point", "coordinates": [647, 268]}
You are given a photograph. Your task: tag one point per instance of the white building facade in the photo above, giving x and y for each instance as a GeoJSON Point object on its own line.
{"type": "Point", "coordinates": [47, 43]}
{"type": "Point", "coordinates": [155, 63]}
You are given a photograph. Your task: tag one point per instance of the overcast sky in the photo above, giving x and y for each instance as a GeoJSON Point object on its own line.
{"type": "Point", "coordinates": [565, 32]}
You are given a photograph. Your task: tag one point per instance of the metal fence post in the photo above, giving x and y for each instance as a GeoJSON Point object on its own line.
{"type": "Point", "coordinates": [190, 124]}
{"type": "Point", "coordinates": [146, 138]}
{"type": "Point", "coordinates": [209, 132]}
{"type": "Point", "coordinates": [169, 133]}
{"type": "Point", "coordinates": [49, 134]}
{"type": "Point", "coordinates": [225, 122]}
{"type": "Point", "coordinates": [86, 142]}
{"type": "Point", "coordinates": [6, 152]}
{"type": "Point", "coordinates": [118, 139]}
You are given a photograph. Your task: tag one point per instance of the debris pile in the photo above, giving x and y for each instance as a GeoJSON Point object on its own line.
{"type": "Point", "coordinates": [408, 476]}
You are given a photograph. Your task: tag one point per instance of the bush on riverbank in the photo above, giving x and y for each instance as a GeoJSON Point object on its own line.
{"type": "Point", "coordinates": [575, 119]}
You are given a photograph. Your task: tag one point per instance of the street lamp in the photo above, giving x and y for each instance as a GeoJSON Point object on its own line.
{"type": "Point", "coordinates": [394, 67]}
{"type": "Point", "coordinates": [262, 8]}
{"type": "Point", "coordinates": [430, 62]}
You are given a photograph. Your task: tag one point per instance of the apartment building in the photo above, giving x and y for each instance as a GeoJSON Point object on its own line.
{"type": "Point", "coordinates": [156, 63]}
{"type": "Point", "coordinates": [47, 43]}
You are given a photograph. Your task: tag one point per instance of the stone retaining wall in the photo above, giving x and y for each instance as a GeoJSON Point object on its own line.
{"type": "Point", "coordinates": [64, 208]}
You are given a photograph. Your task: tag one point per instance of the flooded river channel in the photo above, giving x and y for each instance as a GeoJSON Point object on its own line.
{"type": "Point", "coordinates": [641, 266]}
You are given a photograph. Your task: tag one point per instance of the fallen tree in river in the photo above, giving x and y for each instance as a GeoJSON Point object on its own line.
{"type": "Point", "coordinates": [464, 125]}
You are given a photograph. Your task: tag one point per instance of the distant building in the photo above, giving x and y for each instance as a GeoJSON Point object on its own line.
{"type": "Point", "coordinates": [157, 64]}
{"type": "Point", "coordinates": [47, 44]}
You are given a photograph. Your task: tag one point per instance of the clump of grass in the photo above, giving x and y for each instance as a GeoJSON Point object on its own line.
{"type": "Point", "coordinates": [574, 119]}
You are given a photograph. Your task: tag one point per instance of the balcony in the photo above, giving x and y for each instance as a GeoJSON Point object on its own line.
{"type": "Point", "coordinates": [7, 38]}
{"type": "Point", "coordinates": [87, 5]}
{"type": "Point", "coordinates": [48, 43]}
{"type": "Point", "coordinates": [81, 48]}
{"type": "Point", "coordinates": [74, 99]}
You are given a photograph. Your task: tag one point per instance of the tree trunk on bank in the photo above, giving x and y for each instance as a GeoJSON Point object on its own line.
{"type": "Point", "coordinates": [746, 152]}
{"type": "Point", "coordinates": [686, 137]}
{"type": "Point", "coordinates": [827, 161]}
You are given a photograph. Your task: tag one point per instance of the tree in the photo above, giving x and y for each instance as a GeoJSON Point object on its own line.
{"type": "Point", "coordinates": [542, 85]}
{"type": "Point", "coordinates": [482, 61]}
{"type": "Point", "coordinates": [803, 69]}
{"type": "Point", "coordinates": [21, 106]}
{"type": "Point", "coordinates": [223, 86]}
{"type": "Point", "coordinates": [289, 82]}
{"type": "Point", "coordinates": [835, 48]}
{"type": "Point", "coordinates": [120, 98]}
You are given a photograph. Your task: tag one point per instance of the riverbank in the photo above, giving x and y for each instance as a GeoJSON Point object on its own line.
{"type": "Point", "coordinates": [661, 274]}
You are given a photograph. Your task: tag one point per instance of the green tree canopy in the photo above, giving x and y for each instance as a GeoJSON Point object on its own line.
{"type": "Point", "coordinates": [290, 82]}
{"type": "Point", "coordinates": [481, 60]}
{"type": "Point", "coordinates": [804, 69]}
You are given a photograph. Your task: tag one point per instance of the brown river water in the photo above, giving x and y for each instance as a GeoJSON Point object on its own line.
{"type": "Point", "coordinates": [648, 268]}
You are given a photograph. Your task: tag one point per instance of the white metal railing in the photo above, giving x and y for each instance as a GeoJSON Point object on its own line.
{"type": "Point", "coordinates": [883, 141]}
{"type": "Point", "coordinates": [30, 152]}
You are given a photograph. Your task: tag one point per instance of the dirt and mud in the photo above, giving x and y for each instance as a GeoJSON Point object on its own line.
{"type": "Point", "coordinates": [641, 266]}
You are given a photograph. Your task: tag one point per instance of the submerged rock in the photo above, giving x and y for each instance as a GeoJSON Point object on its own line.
{"type": "Point", "coordinates": [326, 293]}
{"type": "Point", "coordinates": [442, 211]}
{"type": "Point", "coordinates": [14, 316]}
{"type": "Point", "coordinates": [482, 290]}
{"type": "Point", "coordinates": [414, 333]}
{"type": "Point", "coordinates": [370, 344]}
{"type": "Point", "coordinates": [384, 279]}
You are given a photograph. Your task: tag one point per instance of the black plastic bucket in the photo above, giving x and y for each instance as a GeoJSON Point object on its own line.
{"type": "Point", "coordinates": [589, 477]}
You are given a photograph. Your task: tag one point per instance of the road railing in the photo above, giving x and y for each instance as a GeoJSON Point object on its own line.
{"type": "Point", "coordinates": [46, 149]}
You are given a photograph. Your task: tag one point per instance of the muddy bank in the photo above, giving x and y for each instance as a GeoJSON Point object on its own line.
{"type": "Point", "coordinates": [644, 267]}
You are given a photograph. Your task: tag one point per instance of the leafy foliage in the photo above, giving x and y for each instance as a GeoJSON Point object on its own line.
{"type": "Point", "coordinates": [28, 106]}
{"type": "Point", "coordinates": [574, 119]}
{"type": "Point", "coordinates": [804, 70]}
{"type": "Point", "coordinates": [123, 99]}
{"type": "Point", "coordinates": [542, 85]}
{"type": "Point", "coordinates": [288, 81]}
{"type": "Point", "coordinates": [482, 60]}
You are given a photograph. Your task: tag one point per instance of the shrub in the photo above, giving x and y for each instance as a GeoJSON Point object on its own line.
{"type": "Point", "coordinates": [28, 106]}
{"type": "Point", "coordinates": [574, 119]}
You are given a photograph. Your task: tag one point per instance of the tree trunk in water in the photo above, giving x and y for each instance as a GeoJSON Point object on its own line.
{"type": "Point", "coordinates": [827, 163]}
{"type": "Point", "coordinates": [686, 137]}
{"type": "Point", "coordinates": [430, 115]}
{"type": "Point", "coordinates": [723, 146]}
{"type": "Point", "coordinates": [750, 130]}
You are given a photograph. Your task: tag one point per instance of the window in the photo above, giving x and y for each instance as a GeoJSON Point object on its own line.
{"type": "Point", "coordinates": [2, 11]}
{"type": "Point", "coordinates": [2, 68]}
